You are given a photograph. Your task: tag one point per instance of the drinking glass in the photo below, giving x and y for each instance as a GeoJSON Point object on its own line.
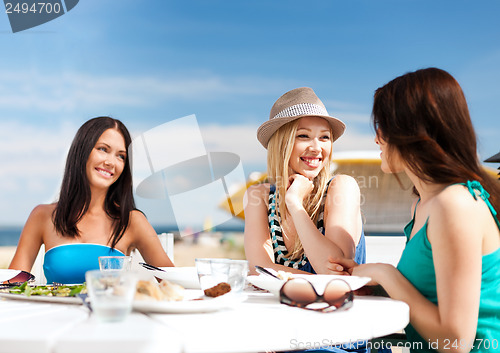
{"type": "Point", "coordinates": [211, 272]}
{"type": "Point", "coordinates": [107, 263]}
{"type": "Point", "coordinates": [214, 271]}
{"type": "Point", "coordinates": [111, 293]}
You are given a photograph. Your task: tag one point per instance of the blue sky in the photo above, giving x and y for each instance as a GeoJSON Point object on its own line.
{"type": "Point", "coordinates": [146, 62]}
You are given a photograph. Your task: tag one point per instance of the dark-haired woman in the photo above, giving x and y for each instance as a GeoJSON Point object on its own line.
{"type": "Point", "coordinates": [95, 214]}
{"type": "Point", "coordinates": [449, 272]}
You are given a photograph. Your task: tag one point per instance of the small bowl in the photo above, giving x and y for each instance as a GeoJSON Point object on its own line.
{"type": "Point", "coordinates": [184, 276]}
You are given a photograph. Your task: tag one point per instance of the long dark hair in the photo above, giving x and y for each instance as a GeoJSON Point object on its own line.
{"type": "Point", "coordinates": [424, 116]}
{"type": "Point", "coordinates": [75, 196]}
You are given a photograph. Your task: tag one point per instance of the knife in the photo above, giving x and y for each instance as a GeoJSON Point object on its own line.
{"type": "Point", "coordinates": [151, 267]}
{"type": "Point", "coordinates": [264, 271]}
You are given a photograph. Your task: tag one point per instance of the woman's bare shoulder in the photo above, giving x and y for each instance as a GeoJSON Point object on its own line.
{"type": "Point", "coordinates": [344, 180]}
{"type": "Point", "coordinates": [43, 211]}
{"type": "Point", "coordinates": [455, 199]}
{"type": "Point", "coordinates": [256, 196]}
{"type": "Point", "coordinates": [456, 206]}
{"type": "Point", "coordinates": [138, 218]}
{"type": "Point", "coordinates": [344, 183]}
{"type": "Point", "coordinates": [138, 227]}
{"type": "Point", "coordinates": [258, 190]}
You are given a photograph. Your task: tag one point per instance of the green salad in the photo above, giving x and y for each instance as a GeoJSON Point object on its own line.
{"type": "Point", "coordinates": [49, 290]}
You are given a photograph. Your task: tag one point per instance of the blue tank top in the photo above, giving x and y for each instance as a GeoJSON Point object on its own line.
{"type": "Point", "coordinates": [68, 263]}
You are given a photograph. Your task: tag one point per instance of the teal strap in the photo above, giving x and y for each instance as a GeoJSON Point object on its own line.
{"type": "Point", "coordinates": [415, 210]}
{"type": "Point", "coordinates": [476, 185]}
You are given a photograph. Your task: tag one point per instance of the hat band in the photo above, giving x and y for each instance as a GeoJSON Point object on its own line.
{"type": "Point", "coordinates": [302, 109]}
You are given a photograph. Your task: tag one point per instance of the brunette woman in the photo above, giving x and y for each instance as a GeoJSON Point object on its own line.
{"type": "Point", "coordinates": [95, 214]}
{"type": "Point", "coordinates": [449, 272]}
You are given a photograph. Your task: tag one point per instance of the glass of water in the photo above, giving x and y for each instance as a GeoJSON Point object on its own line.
{"type": "Point", "coordinates": [213, 271]}
{"type": "Point", "coordinates": [111, 293]}
{"type": "Point", "coordinates": [238, 270]}
{"type": "Point", "coordinates": [107, 263]}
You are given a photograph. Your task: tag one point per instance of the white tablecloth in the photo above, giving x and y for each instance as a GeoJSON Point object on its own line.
{"type": "Point", "coordinates": [258, 324]}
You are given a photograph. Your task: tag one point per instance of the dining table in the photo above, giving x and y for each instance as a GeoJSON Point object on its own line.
{"type": "Point", "coordinates": [255, 322]}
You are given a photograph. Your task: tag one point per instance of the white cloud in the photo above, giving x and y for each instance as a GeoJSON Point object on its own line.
{"type": "Point", "coordinates": [70, 91]}
{"type": "Point", "coordinates": [238, 139]}
{"type": "Point", "coordinates": [33, 154]}
{"type": "Point", "coordinates": [354, 140]}
{"type": "Point", "coordinates": [32, 160]}
{"type": "Point", "coordinates": [32, 150]}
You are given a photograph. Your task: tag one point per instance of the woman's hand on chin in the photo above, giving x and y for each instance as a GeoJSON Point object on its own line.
{"type": "Point", "coordinates": [299, 187]}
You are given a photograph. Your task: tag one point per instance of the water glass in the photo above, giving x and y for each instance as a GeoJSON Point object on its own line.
{"type": "Point", "coordinates": [107, 263]}
{"type": "Point", "coordinates": [111, 293]}
{"type": "Point", "coordinates": [211, 272]}
{"type": "Point", "coordinates": [214, 271]}
{"type": "Point", "coordinates": [238, 272]}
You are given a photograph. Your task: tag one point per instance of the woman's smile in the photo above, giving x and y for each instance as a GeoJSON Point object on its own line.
{"type": "Point", "coordinates": [104, 172]}
{"type": "Point", "coordinates": [312, 162]}
{"type": "Point", "coordinates": [312, 146]}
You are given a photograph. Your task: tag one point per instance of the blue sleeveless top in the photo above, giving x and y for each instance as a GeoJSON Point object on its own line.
{"type": "Point", "coordinates": [279, 248]}
{"type": "Point", "coordinates": [68, 263]}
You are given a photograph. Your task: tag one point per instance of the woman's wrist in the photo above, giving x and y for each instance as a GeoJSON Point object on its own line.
{"type": "Point", "coordinates": [382, 274]}
{"type": "Point", "coordinates": [293, 206]}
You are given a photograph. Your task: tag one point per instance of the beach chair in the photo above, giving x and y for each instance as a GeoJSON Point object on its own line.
{"type": "Point", "coordinates": [37, 268]}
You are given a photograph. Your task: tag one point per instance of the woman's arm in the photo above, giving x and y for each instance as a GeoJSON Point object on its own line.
{"type": "Point", "coordinates": [455, 232]}
{"type": "Point", "coordinates": [31, 238]}
{"type": "Point", "coordinates": [342, 221]}
{"type": "Point", "coordinates": [258, 246]}
{"type": "Point", "coordinates": [147, 241]}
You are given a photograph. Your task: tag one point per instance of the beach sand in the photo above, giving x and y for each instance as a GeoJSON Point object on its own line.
{"type": "Point", "coordinates": [6, 255]}
{"type": "Point", "coordinates": [230, 245]}
{"type": "Point", "coordinates": [223, 245]}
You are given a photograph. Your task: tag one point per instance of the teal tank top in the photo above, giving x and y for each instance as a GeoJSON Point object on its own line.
{"type": "Point", "coordinates": [417, 266]}
{"type": "Point", "coordinates": [68, 263]}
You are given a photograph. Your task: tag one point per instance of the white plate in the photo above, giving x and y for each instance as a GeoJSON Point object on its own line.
{"type": "Point", "coordinates": [319, 281]}
{"type": "Point", "coordinates": [185, 276]}
{"type": "Point", "coordinates": [194, 302]}
{"type": "Point", "coordinates": [42, 298]}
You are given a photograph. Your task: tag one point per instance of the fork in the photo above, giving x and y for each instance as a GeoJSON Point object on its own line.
{"type": "Point", "coordinates": [83, 297]}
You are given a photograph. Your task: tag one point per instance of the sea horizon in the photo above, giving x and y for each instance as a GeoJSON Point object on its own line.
{"type": "Point", "coordinates": [9, 234]}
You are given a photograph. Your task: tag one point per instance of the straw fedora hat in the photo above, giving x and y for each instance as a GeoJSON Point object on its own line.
{"type": "Point", "coordinates": [295, 104]}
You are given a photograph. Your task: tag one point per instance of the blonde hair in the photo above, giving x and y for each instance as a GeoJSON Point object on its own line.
{"type": "Point", "coordinates": [279, 151]}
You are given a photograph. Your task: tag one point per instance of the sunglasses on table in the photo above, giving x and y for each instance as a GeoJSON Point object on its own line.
{"type": "Point", "coordinates": [301, 293]}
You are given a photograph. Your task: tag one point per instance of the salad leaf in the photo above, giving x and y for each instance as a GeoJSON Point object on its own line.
{"type": "Point", "coordinates": [49, 290]}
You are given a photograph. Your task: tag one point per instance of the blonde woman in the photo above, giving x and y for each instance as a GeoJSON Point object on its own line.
{"type": "Point", "coordinates": [303, 216]}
